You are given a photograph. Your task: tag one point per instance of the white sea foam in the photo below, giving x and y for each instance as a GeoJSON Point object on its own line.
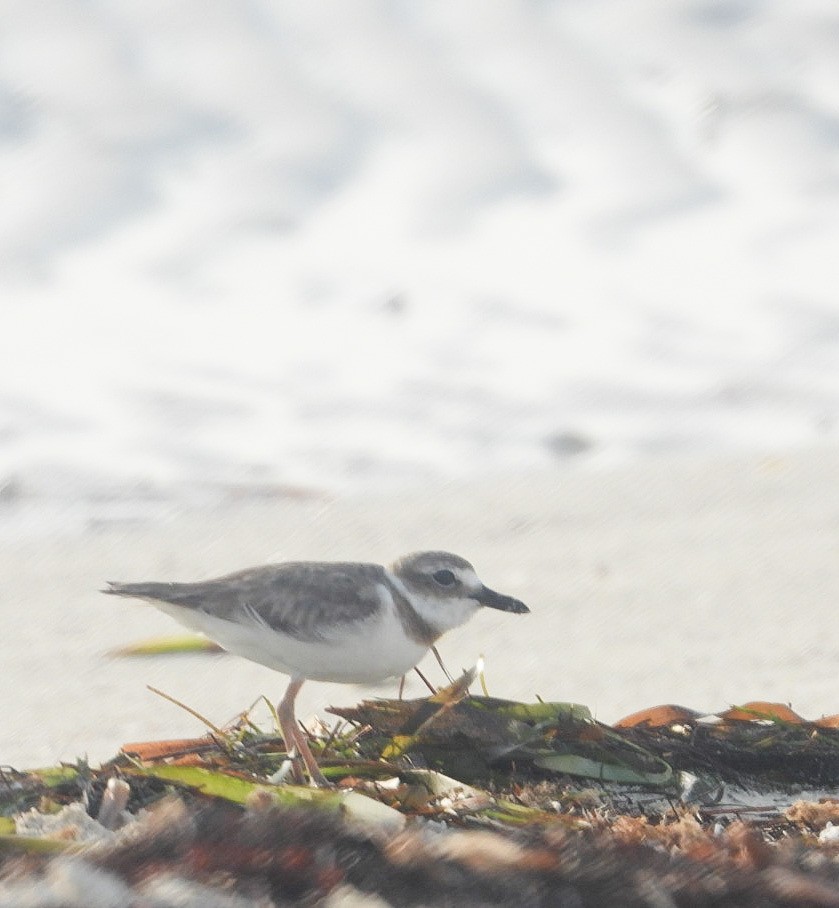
{"type": "Point", "coordinates": [331, 244]}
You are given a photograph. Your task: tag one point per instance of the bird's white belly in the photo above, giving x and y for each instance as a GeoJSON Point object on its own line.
{"type": "Point", "coordinates": [364, 652]}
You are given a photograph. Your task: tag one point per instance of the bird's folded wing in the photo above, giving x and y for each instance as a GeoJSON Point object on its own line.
{"type": "Point", "coordinates": [306, 600]}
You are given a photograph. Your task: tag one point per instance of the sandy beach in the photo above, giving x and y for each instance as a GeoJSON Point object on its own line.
{"type": "Point", "coordinates": [697, 581]}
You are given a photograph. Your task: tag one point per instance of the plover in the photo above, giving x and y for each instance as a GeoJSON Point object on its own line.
{"type": "Point", "coordinates": [329, 621]}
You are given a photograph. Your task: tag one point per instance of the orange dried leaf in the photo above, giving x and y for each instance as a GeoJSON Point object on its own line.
{"type": "Point", "coordinates": [161, 750]}
{"type": "Point", "coordinates": [759, 709]}
{"type": "Point", "coordinates": [659, 716]}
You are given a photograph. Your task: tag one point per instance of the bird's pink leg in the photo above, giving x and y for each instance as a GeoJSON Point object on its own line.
{"type": "Point", "coordinates": [293, 735]}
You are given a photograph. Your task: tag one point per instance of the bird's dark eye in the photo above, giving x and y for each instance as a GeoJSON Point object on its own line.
{"type": "Point", "coordinates": [444, 577]}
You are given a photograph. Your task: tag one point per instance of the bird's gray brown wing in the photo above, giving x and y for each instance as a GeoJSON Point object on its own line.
{"type": "Point", "coordinates": [306, 600]}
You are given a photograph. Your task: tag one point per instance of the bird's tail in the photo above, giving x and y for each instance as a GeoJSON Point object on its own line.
{"type": "Point", "coordinates": [160, 592]}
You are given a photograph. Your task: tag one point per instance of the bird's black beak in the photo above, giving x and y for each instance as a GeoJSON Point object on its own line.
{"type": "Point", "coordinates": [490, 598]}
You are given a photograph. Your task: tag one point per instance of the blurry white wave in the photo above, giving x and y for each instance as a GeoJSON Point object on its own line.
{"type": "Point", "coordinates": [249, 246]}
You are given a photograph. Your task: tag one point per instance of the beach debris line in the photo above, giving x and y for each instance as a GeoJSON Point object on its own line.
{"type": "Point", "coordinates": [513, 762]}
{"type": "Point", "coordinates": [190, 846]}
{"type": "Point", "coordinates": [695, 819]}
{"type": "Point", "coordinates": [470, 762]}
{"type": "Point", "coordinates": [757, 740]}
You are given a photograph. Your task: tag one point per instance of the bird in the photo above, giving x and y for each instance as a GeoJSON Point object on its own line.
{"type": "Point", "coordinates": [348, 622]}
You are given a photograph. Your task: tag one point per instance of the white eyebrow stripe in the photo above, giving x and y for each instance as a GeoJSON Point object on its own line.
{"type": "Point", "coordinates": [469, 578]}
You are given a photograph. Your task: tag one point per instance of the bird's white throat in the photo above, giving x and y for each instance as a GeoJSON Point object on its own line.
{"type": "Point", "coordinates": [441, 611]}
